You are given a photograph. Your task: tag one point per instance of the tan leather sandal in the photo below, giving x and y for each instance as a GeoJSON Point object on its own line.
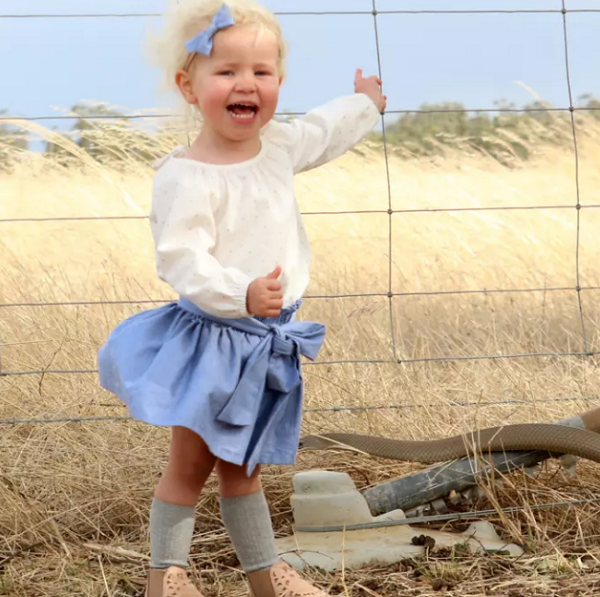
{"type": "Point", "coordinates": [174, 583]}
{"type": "Point", "coordinates": [281, 580]}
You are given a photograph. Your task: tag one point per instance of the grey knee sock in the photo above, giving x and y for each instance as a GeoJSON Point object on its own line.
{"type": "Point", "coordinates": [248, 522]}
{"type": "Point", "coordinates": [171, 530]}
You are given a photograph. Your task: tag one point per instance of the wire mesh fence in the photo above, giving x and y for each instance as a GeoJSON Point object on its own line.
{"type": "Point", "coordinates": [585, 350]}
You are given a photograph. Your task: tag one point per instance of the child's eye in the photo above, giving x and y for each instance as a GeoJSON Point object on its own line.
{"type": "Point", "coordinates": [225, 73]}
{"type": "Point", "coordinates": [262, 73]}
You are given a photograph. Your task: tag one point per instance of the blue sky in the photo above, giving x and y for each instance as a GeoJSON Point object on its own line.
{"type": "Point", "coordinates": [476, 59]}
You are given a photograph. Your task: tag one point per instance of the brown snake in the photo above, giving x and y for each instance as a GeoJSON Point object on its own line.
{"type": "Point", "coordinates": [554, 438]}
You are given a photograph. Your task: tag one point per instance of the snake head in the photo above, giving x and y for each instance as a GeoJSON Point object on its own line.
{"type": "Point", "coordinates": [305, 442]}
{"type": "Point", "coordinates": [313, 442]}
{"type": "Point", "coordinates": [319, 442]}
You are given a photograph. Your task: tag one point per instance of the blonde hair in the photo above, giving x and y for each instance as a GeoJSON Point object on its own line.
{"type": "Point", "coordinates": [186, 18]}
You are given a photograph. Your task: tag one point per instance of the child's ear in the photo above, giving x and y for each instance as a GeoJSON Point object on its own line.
{"type": "Point", "coordinates": [184, 83]}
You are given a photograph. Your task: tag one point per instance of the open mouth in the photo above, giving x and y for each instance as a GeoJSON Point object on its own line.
{"type": "Point", "coordinates": [243, 111]}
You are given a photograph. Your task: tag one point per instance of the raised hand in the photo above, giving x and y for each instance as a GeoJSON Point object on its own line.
{"type": "Point", "coordinates": [371, 86]}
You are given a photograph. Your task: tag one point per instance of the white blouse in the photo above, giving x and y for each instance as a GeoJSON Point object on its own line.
{"type": "Point", "coordinates": [216, 228]}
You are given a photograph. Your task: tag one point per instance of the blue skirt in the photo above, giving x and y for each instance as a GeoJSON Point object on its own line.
{"type": "Point", "coordinates": [237, 383]}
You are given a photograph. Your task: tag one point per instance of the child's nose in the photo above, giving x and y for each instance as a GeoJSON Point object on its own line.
{"type": "Point", "coordinates": [246, 82]}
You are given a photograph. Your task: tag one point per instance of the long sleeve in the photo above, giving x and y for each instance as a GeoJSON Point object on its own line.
{"type": "Point", "coordinates": [327, 132]}
{"type": "Point", "coordinates": [184, 232]}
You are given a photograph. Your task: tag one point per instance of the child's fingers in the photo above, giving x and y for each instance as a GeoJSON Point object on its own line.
{"type": "Point", "coordinates": [275, 273]}
{"type": "Point", "coordinates": [275, 304]}
{"type": "Point", "coordinates": [273, 285]}
{"type": "Point", "coordinates": [358, 76]}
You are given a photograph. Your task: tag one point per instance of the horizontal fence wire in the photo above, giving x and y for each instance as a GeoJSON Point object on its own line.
{"type": "Point", "coordinates": [448, 517]}
{"type": "Point", "coordinates": [423, 210]}
{"type": "Point", "coordinates": [284, 114]}
{"type": "Point", "coordinates": [323, 409]}
{"type": "Point", "coordinates": [317, 13]}
{"type": "Point", "coordinates": [423, 293]}
{"type": "Point", "coordinates": [388, 361]}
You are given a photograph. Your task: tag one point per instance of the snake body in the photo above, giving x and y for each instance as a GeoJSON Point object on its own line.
{"type": "Point", "coordinates": [554, 438]}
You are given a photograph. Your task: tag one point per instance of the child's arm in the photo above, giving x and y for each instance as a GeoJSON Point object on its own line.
{"type": "Point", "coordinates": [329, 131]}
{"type": "Point", "coordinates": [184, 233]}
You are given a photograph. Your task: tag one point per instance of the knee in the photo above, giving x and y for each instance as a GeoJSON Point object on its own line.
{"type": "Point", "coordinates": [191, 471]}
{"type": "Point", "coordinates": [233, 471]}
{"type": "Point", "coordinates": [234, 480]}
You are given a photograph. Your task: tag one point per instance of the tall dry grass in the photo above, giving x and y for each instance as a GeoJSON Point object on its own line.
{"type": "Point", "coordinates": [74, 497]}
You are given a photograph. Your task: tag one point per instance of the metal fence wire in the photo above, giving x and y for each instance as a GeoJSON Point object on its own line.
{"type": "Point", "coordinates": [585, 350]}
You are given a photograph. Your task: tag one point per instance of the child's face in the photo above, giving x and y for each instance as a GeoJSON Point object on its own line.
{"type": "Point", "coordinates": [237, 87]}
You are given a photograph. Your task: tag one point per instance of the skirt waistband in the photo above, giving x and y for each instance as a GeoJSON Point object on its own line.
{"type": "Point", "coordinates": [252, 325]}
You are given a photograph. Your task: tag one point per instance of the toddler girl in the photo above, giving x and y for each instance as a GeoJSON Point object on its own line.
{"type": "Point", "coordinates": [221, 366]}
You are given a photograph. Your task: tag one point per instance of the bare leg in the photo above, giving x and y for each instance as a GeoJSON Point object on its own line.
{"type": "Point", "coordinates": [189, 466]}
{"type": "Point", "coordinates": [172, 515]}
{"type": "Point", "coordinates": [234, 482]}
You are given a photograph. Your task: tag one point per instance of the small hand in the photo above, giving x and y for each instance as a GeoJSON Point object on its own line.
{"type": "Point", "coordinates": [265, 297]}
{"type": "Point", "coordinates": [371, 86]}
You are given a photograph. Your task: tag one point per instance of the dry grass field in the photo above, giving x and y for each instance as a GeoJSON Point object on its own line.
{"type": "Point", "coordinates": [74, 497]}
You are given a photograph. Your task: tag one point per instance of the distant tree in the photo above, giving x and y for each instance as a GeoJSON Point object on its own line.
{"type": "Point", "coordinates": [93, 134]}
{"type": "Point", "coordinates": [12, 139]}
{"type": "Point", "coordinates": [591, 103]}
{"type": "Point", "coordinates": [106, 135]}
{"type": "Point", "coordinates": [58, 146]}
{"type": "Point", "coordinates": [507, 133]}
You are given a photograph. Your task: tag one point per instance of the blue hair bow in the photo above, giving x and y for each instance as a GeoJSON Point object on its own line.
{"type": "Point", "coordinates": [203, 42]}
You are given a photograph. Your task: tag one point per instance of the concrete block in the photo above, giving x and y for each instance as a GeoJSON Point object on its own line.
{"type": "Point", "coordinates": [325, 499]}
